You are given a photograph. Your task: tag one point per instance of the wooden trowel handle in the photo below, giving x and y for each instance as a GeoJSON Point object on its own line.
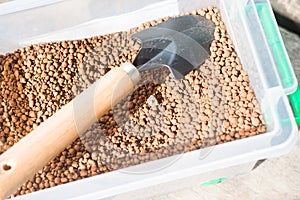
{"type": "Point", "coordinates": [19, 163]}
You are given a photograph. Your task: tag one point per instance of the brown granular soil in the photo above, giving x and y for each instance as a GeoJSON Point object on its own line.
{"type": "Point", "coordinates": [162, 117]}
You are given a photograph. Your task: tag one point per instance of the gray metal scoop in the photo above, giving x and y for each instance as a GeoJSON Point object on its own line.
{"type": "Point", "coordinates": [181, 44]}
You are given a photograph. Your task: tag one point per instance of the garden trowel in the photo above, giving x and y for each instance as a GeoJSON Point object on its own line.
{"type": "Point", "coordinates": [180, 44]}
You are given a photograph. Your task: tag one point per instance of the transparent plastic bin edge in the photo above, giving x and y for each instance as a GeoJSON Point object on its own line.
{"type": "Point", "coordinates": [62, 21]}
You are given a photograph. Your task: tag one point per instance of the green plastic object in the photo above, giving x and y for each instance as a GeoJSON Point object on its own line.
{"type": "Point", "coordinates": [294, 100]}
{"type": "Point", "coordinates": [213, 182]}
{"type": "Point", "coordinates": [278, 50]}
{"type": "Point", "coordinates": [277, 47]}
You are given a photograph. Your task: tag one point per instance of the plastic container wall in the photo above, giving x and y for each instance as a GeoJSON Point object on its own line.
{"type": "Point", "coordinates": [56, 20]}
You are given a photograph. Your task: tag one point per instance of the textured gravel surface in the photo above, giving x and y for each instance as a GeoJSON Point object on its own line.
{"type": "Point", "coordinates": [275, 179]}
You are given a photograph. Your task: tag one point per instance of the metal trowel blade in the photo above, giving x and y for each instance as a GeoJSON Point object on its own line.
{"type": "Point", "coordinates": [181, 44]}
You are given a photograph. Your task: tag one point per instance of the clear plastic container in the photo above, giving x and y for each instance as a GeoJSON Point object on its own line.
{"type": "Point", "coordinates": [249, 22]}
